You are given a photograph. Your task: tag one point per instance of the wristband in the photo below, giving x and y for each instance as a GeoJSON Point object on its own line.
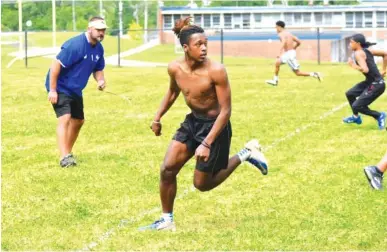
{"type": "Point", "coordinates": [206, 145]}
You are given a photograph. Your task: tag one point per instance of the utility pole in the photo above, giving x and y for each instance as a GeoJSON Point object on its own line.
{"type": "Point", "coordinates": [100, 9]}
{"type": "Point", "coordinates": [120, 16]}
{"type": "Point", "coordinates": [53, 23]}
{"type": "Point", "coordinates": [74, 22]}
{"type": "Point", "coordinates": [145, 22]}
{"type": "Point", "coordinates": [20, 25]}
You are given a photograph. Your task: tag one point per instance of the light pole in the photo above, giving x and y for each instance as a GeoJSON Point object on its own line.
{"type": "Point", "coordinates": [20, 25]}
{"type": "Point", "coordinates": [74, 22]}
{"type": "Point", "coordinates": [120, 16]}
{"type": "Point", "coordinates": [100, 9]}
{"type": "Point", "coordinates": [28, 24]}
{"type": "Point", "coordinates": [145, 22]}
{"type": "Point", "coordinates": [53, 23]}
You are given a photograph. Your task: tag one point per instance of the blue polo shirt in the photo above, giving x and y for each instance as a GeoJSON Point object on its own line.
{"type": "Point", "coordinates": [79, 59]}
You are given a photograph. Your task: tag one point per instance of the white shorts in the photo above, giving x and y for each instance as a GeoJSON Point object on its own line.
{"type": "Point", "coordinates": [289, 57]}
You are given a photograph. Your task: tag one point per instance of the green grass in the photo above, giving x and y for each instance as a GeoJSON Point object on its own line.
{"type": "Point", "coordinates": [160, 53]}
{"type": "Point", "coordinates": [314, 198]}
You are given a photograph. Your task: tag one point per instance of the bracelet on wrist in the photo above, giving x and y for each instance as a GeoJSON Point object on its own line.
{"type": "Point", "coordinates": [205, 144]}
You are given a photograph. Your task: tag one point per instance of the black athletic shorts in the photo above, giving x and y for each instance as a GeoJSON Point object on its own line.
{"type": "Point", "coordinates": [194, 130]}
{"type": "Point", "coordinates": [69, 105]}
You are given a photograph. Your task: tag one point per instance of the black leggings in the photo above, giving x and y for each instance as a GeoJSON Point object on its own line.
{"type": "Point", "coordinates": [366, 93]}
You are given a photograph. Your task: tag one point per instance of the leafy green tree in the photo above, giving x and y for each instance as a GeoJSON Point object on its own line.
{"type": "Point", "coordinates": [9, 17]}
{"type": "Point", "coordinates": [40, 13]}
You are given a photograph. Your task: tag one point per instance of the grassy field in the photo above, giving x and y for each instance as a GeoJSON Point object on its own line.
{"type": "Point", "coordinates": [315, 196]}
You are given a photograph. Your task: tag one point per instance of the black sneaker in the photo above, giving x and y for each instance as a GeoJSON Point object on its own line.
{"type": "Point", "coordinates": [375, 178]}
{"type": "Point", "coordinates": [67, 161]}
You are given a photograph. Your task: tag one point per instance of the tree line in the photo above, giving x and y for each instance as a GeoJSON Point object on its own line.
{"type": "Point", "coordinates": [40, 13]}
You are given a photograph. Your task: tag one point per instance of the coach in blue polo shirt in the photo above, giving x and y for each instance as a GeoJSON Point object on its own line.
{"type": "Point", "coordinates": [79, 57]}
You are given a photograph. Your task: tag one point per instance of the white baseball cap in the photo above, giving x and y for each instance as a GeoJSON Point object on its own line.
{"type": "Point", "coordinates": [98, 24]}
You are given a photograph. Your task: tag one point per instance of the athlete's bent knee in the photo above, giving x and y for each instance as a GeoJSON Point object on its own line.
{"type": "Point", "coordinates": [201, 186]}
{"type": "Point", "coordinates": [349, 94]}
{"type": "Point", "coordinates": [357, 107]}
{"type": "Point", "coordinates": [167, 173]}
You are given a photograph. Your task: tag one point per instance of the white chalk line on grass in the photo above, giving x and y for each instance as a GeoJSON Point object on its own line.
{"type": "Point", "coordinates": [305, 127]}
{"type": "Point", "coordinates": [125, 222]}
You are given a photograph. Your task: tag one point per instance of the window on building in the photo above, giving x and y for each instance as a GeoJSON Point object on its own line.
{"type": "Point", "coordinates": [358, 19]}
{"type": "Point", "coordinates": [207, 20]}
{"type": "Point", "coordinates": [288, 18]}
{"type": "Point", "coordinates": [318, 18]}
{"type": "Point", "coordinates": [227, 21]}
{"type": "Point", "coordinates": [307, 18]}
{"type": "Point", "coordinates": [337, 19]}
{"type": "Point", "coordinates": [258, 17]}
{"type": "Point", "coordinates": [176, 17]}
{"type": "Point", "coordinates": [276, 17]}
{"type": "Point", "coordinates": [215, 20]}
{"type": "Point", "coordinates": [246, 20]}
{"type": "Point", "coordinates": [381, 18]}
{"type": "Point", "coordinates": [198, 19]}
{"type": "Point", "coordinates": [298, 19]}
{"type": "Point", "coordinates": [167, 21]}
{"type": "Point", "coordinates": [237, 20]}
{"type": "Point", "coordinates": [349, 20]}
{"type": "Point", "coordinates": [327, 18]}
{"type": "Point", "coordinates": [269, 19]}
{"type": "Point", "coordinates": [368, 19]}
{"type": "Point", "coordinates": [257, 20]}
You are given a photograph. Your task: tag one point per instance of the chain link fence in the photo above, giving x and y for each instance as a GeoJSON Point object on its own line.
{"type": "Point", "coordinates": [231, 47]}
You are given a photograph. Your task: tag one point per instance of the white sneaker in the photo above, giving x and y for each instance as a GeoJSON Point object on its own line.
{"type": "Point", "coordinates": [256, 157]}
{"type": "Point", "coordinates": [318, 76]}
{"type": "Point", "coordinates": [160, 225]}
{"type": "Point", "coordinates": [272, 82]}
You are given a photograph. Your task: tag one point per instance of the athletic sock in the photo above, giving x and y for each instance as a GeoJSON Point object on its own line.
{"type": "Point", "coordinates": [168, 217]}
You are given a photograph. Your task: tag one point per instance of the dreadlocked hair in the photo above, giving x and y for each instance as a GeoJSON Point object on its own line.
{"type": "Point", "coordinates": [184, 29]}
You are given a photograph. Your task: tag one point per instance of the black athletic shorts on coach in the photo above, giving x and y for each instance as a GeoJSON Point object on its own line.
{"type": "Point", "coordinates": [67, 104]}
